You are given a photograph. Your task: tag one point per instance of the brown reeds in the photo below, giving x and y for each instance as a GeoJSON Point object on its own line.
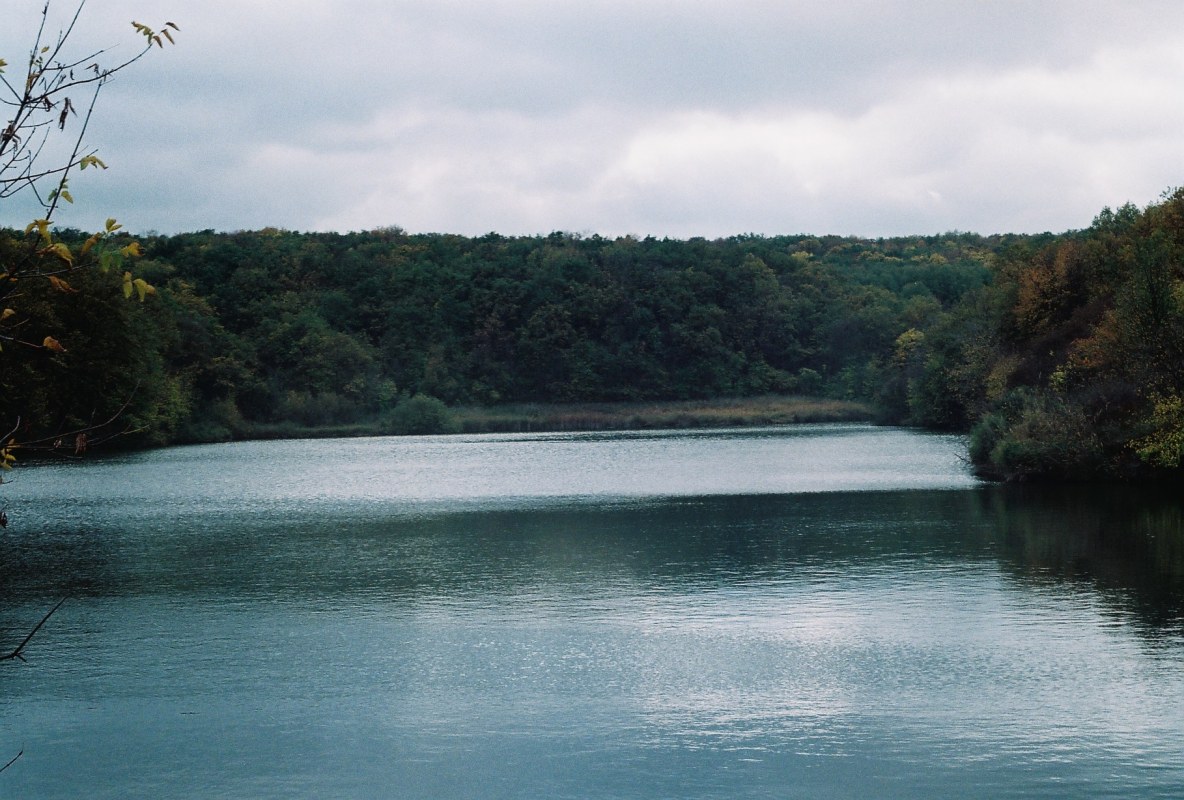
{"type": "Point", "coordinates": [716, 413]}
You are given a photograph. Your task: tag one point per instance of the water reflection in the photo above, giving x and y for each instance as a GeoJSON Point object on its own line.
{"type": "Point", "coordinates": [948, 639]}
{"type": "Point", "coordinates": [1124, 546]}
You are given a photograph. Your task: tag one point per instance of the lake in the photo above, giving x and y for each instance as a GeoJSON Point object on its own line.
{"type": "Point", "coordinates": [831, 611]}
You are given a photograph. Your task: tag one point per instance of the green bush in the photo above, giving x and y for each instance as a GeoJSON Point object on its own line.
{"type": "Point", "coordinates": [1046, 438]}
{"type": "Point", "coordinates": [316, 410]}
{"type": "Point", "coordinates": [419, 415]}
{"type": "Point", "coordinates": [984, 436]}
{"type": "Point", "coordinates": [809, 382]}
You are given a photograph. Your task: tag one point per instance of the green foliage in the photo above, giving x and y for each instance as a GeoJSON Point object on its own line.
{"type": "Point", "coordinates": [1041, 438]}
{"type": "Point", "coordinates": [275, 330]}
{"type": "Point", "coordinates": [1087, 332]}
{"type": "Point", "coordinates": [808, 382]}
{"type": "Point", "coordinates": [77, 366]}
{"type": "Point", "coordinates": [1164, 447]}
{"type": "Point", "coordinates": [1055, 352]}
{"type": "Point", "coordinates": [420, 415]}
{"type": "Point", "coordinates": [985, 437]}
{"type": "Point", "coordinates": [555, 318]}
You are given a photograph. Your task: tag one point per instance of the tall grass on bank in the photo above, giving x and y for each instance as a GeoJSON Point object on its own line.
{"type": "Point", "coordinates": [719, 413]}
{"type": "Point", "coordinates": [424, 415]}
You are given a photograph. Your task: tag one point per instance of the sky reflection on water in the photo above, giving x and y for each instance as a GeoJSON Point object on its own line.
{"type": "Point", "coordinates": [229, 636]}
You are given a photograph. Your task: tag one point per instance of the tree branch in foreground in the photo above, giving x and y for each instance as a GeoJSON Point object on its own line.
{"type": "Point", "coordinates": [17, 654]}
{"type": "Point", "coordinates": [12, 761]}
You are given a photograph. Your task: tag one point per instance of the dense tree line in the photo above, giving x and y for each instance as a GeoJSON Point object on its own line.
{"type": "Point", "coordinates": [1070, 364]}
{"type": "Point", "coordinates": [320, 329]}
{"type": "Point", "coordinates": [1063, 353]}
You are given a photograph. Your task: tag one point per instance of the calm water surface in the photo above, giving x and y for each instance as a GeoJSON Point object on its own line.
{"type": "Point", "coordinates": [813, 612]}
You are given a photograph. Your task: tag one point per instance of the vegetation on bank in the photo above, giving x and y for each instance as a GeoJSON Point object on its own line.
{"type": "Point", "coordinates": [424, 415]}
{"type": "Point", "coordinates": [263, 331]}
{"type": "Point", "coordinates": [1061, 355]}
{"type": "Point", "coordinates": [716, 413]}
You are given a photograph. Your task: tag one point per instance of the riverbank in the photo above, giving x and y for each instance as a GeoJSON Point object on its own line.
{"type": "Point", "coordinates": [716, 413]}
{"type": "Point", "coordinates": [431, 417]}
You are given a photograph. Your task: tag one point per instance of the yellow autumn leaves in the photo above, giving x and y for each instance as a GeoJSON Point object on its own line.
{"type": "Point", "coordinates": [138, 285]}
{"type": "Point", "coordinates": [106, 259]}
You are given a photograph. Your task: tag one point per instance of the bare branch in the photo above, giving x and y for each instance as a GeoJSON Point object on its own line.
{"type": "Point", "coordinates": [16, 654]}
{"type": "Point", "coordinates": [12, 761]}
{"type": "Point", "coordinates": [57, 440]}
{"type": "Point", "coordinates": [42, 104]}
{"type": "Point", "coordinates": [75, 158]}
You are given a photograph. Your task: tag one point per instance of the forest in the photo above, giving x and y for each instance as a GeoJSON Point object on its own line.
{"type": "Point", "coordinates": [1061, 356]}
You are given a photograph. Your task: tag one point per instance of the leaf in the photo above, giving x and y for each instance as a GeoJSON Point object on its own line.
{"type": "Point", "coordinates": [143, 288]}
{"type": "Point", "coordinates": [127, 284]}
{"type": "Point", "coordinates": [67, 196]}
{"type": "Point", "coordinates": [61, 285]}
{"type": "Point", "coordinates": [62, 251]}
{"type": "Point", "coordinates": [91, 161]}
{"type": "Point", "coordinates": [53, 344]}
{"type": "Point", "coordinates": [42, 226]}
{"type": "Point", "coordinates": [132, 249]}
{"type": "Point", "coordinates": [6, 313]}
{"type": "Point", "coordinates": [89, 243]}
{"type": "Point", "coordinates": [112, 225]}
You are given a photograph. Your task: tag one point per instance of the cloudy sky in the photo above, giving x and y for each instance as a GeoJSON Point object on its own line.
{"type": "Point", "coordinates": [653, 117]}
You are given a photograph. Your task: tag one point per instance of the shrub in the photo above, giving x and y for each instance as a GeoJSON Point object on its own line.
{"type": "Point", "coordinates": [809, 381]}
{"type": "Point", "coordinates": [314, 410]}
{"type": "Point", "coordinates": [1045, 438]}
{"type": "Point", "coordinates": [984, 436]}
{"type": "Point", "coordinates": [420, 414]}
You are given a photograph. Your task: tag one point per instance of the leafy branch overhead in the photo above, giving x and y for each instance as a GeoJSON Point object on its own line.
{"type": "Point", "coordinates": [58, 81]}
{"type": "Point", "coordinates": [48, 279]}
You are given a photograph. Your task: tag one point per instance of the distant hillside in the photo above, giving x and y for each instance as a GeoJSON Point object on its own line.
{"type": "Point", "coordinates": [1064, 353]}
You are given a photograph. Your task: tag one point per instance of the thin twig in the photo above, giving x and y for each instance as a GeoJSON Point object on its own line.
{"type": "Point", "coordinates": [41, 444]}
{"type": "Point", "coordinates": [12, 761]}
{"type": "Point", "coordinates": [17, 652]}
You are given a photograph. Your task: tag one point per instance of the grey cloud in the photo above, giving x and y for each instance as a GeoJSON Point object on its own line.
{"type": "Point", "coordinates": [669, 117]}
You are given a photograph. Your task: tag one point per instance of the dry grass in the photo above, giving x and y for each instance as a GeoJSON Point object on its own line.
{"type": "Point", "coordinates": [720, 413]}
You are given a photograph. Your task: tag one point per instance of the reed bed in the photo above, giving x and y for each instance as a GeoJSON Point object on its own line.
{"type": "Point", "coordinates": [719, 413]}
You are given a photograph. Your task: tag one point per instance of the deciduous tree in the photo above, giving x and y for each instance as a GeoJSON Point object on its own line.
{"type": "Point", "coordinates": [50, 99]}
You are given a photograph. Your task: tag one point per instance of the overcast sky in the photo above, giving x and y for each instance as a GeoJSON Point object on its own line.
{"type": "Point", "coordinates": [652, 117]}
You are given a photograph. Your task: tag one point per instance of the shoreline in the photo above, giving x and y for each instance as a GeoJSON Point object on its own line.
{"type": "Point", "coordinates": [716, 413]}
{"type": "Point", "coordinates": [736, 412]}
